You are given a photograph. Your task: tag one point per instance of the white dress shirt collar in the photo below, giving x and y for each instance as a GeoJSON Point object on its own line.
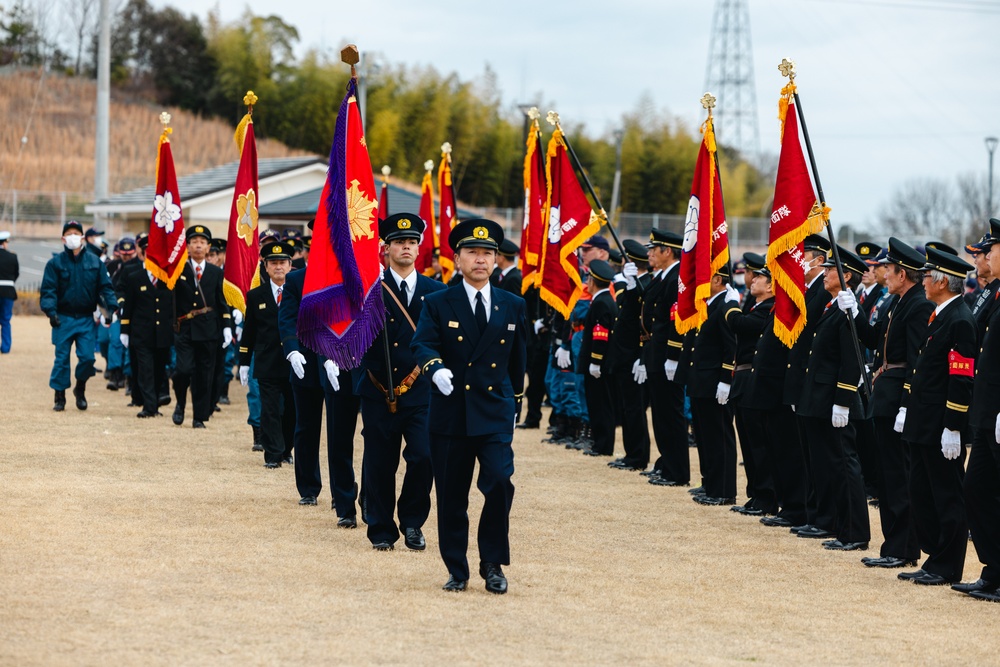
{"type": "Point", "coordinates": [470, 291]}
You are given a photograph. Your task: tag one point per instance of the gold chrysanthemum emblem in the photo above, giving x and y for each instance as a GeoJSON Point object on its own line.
{"type": "Point", "coordinates": [360, 212]}
{"type": "Point", "coordinates": [246, 220]}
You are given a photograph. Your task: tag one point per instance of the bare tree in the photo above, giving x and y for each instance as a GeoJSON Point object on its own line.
{"type": "Point", "coordinates": [81, 17]}
{"type": "Point", "coordinates": [923, 210]}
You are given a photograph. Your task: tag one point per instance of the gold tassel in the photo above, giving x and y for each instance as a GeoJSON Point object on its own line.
{"type": "Point", "coordinates": [786, 96]}
{"type": "Point", "coordinates": [241, 131]}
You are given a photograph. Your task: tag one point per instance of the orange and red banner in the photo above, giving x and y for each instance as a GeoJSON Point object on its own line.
{"type": "Point", "coordinates": [429, 241]}
{"type": "Point", "coordinates": [795, 215]}
{"type": "Point", "coordinates": [706, 238]}
{"type": "Point", "coordinates": [535, 192]}
{"type": "Point", "coordinates": [571, 220]}
{"type": "Point", "coordinates": [167, 249]}
{"type": "Point", "coordinates": [243, 242]}
{"type": "Point", "coordinates": [447, 214]}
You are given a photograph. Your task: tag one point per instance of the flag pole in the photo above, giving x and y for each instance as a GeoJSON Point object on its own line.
{"type": "Point", "coordinates": [708, 103]}
{"type": "Point", "coordinates": [787, 68]}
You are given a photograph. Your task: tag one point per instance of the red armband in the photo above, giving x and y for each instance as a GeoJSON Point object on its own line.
{"type": "Point", "coordinates": [673, 312]}
{"type": "Point", "coordinates": [600, 333]}
{"type": "Point", "coordinates": [959, 365]}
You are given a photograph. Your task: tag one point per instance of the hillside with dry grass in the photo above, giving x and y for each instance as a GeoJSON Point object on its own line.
{"type": "Point", "coordinates": [57, 114]}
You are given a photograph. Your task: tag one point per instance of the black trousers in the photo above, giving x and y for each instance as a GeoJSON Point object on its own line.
{"type": "Point", "coordinates": [601, 412]}
{"type": "Point", "coordinates": [751, 425]}
{"type": "Point", "coordinates": [195, 368]}
{"type": "Point", "coordinates": [666, 402]}
{"type": "Point", "coordinates": [784, 451]}
{"type": "Point", "coordinates": [383, 434]}
{"type": "Point", "coordinates": [454, 460]}
{"type": "Point", "coordinates": [635, 430]}
{"type": "Point", "coordinates": [277, 418]}
{"type": "Point", "coordinates": [841, 503]}
{"type": "Point", "coordinates": [982, 501]}
{"type": "Point", "coordinates": [534, 393]}
{"type": "Point", "coordinates": [149, 367]}
{"type": "Point", "coordinates": [342, 409]}
{"type": "Point", "coordinates": [810, 483]}
{"type": "Point", "coordinates": [938, 509]}
{"type": "Point", "coordinates": [900, 537]}
{"type": "Point", "coordinates": [867, 444]}
{"type": "Point", "coordinates": [716, 446]}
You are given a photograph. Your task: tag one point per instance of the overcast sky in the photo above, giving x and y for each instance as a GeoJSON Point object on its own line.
{"type": "Point", "coordinates": [892, 89]}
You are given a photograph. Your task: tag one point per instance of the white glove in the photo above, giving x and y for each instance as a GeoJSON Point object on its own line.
{"type": "Point", "coordinates": [244, 375]}
{"type": "Point", "coordinates": [124, 339]}
{"type": "Point", "coordinates": [996, 432]}
{"type": "Point", "coordinates": [732, 294]}
{"type": "Point", "coordinates": [539, 325]}
{"type": "Point", "coordinates": [900, 421]}
{"type": "Point", "coordinates": [722, 393]}
{"type": "Point", "coordinates": [562, 357]}
{"type": "Point", "coordinates": [951, 444]}
{"type": "Point", "coordinates": [237, 317]}
{"type": "Point", "coordinates": [239, 333]}
{"type": "Point", "coordinates": [840, 416]}
{"type": "Point", "coordinates": [298, 362]}
{"type": "Point", "coordinates": [793, 408]}
{"type": "Point", "coordinates": [114, 317]}
{"type": "Point", "coordinates": [638, 372]}
{"type": "Point", "coordinates": [630, 271]}
{"type": "Point", "coordinates": [332, 373]}
{"type": "Point", "coordinates": [227, 337]}
{"type": "Point", "coordinates": [670, 368]}
{"type": "Point", "coordinates": [846, 301]}
{"type": "Point", "coordinates": [595, 371]}
{"type": "Point", "coordinates": [442, 379]}
{"type": "Point", "coordinates": [104, 322]}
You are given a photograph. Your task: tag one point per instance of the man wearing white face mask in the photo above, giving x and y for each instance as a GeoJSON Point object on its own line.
{"type": "Point", "coordinates": [74, 284]}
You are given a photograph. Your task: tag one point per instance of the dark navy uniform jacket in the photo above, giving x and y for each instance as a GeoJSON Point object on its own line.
{"type": "Point", "coordinates": [261, 339]}
{"type": "Point", "coordinates": [713, 349]}
{"type": "Point", "coordinates": [798, 356]}
{"type": "Point", "coordinates": [191, 295]}
{"type": "Point", "coordinates": [658, 321]}
{"type": "Point", "coordinates": [764, 387]}
{"type": "Point", "coordinates": [598, 334]}
{"type": "Point", "coordinates": [76, 285]}
{"type": "Point", "coordinates": [488, 369]}
{"type": "Point", "coordinates": [832, 369]}
{"type": "Point", "coordinates": [288, 313]}
{"type": "Point", "coordinates": [147, 310]}
{"type": "Point", "coordinates": [748, 325]}
{"type": "Point", "coordinates": [986, 384]}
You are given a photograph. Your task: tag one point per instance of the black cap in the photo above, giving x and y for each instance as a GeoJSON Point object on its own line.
{"type": "Point", "coordinates": [601, 271]}
{"type": "Point", "coordinates": [311, 223]}
{"type": "Point", "coordinates": [125, 245]}
{"type": "Point", "coordinates": [867, 251]}
{"type": "Point", "coordinates": [664, 238]}
{"type": "Point", "coordinates": [93, 231]}
{"type": "Point", "coordinates": [476, 233]}
{"type": "Point", "coordinates": [294, 243]}
{"type": "Point", "coordinates": [291, 233]}
{"type": "Point", "coordinates": [142, 239]}
{"type": "Point", "coordinates": [754, 262]}
{"type": "Point", "coordinates": [198, 230]}
{"type": "Point", "coordinates": [509, 249]}
{"type": "Point", "coordinates": [401, 226]}
{"type": "Point", "coordinates": [725, 270]}
{"type": "Point", "coordinates": [982, 245]}
{"type": "Point", "coordinates": [276, 250]}
{"type": "Point", "coordinates": [940, 245]}
{"type": "Point", "coordinates": [850, 261]}
{"type": "Point", "coordinates": [994, 232]}
{"type": "Point", "coordinates": [816, 242]}
{"type": "Point", "coordinates": [596, 241]}
{"type": "Point", "coordinates": [306, 242]}
{"type": "Point", "coordinates": [615, 256]}
{"type": "Point", "coordinates": [268, 236]}
{"type": "Point", "coordinates": [218, 245]}
{"type": "Point", "coordinates": [903, 255]}
{"type": "Point", "coordinates": [72, 225]}
{"type": "Point", "coordinates": [946, 262]}
{"type": "Point", "coordinates": [635, 251]}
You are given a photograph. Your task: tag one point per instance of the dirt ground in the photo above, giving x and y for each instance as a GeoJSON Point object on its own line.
{"type": "Point", "coordinates": [126, 541]}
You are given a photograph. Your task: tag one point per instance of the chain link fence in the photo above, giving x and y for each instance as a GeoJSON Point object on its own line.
{"type": "Point", "coordinates": [34, 214]}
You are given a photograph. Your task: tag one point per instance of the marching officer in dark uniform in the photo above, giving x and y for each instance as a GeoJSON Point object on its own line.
{"type": "Point", "coordinates": [471, 342]}
{"type": "Point", "coordinates": [932, 418]}
{"type": "Point", "coordinates": [509, 276]}
{"type": "Point", "coordinates": [595, 361]}
{"type": "Point", "coordinates": [661, 349]}
{"type": "Point", "coordinates": [147, 331]}
{"type": "Point", "coordinates": [869, 291]}
{"type": "Point", "coordinates": [394, 401]}
{"type": "Point", "coordinates": [896, 341]}
{"type": "Point", "coordinates": [868, 294]}
{"type": "Point", "coordinates": [202, 315]}
{"type": "Point", "coordinates": [988, 298]}
{"type": "Point", "coordinates": [629, 374]}
{"type": "Point", "coordinates": [9, 272]}
{"type": "Point", "coordinates": [261, 343]}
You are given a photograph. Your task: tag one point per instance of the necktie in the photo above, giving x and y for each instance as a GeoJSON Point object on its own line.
{"type": "Point", "coordinates": [933, 315]}
{"type": "Point", "coordinates": [152, 279]}
{"type": "Point", "coordinates": [406, 293]}
{"type": "Point", "coordinates": [278, 298]}
{"type": "Point", "coordinates": [861, 301]}
{"type": "Point", "coordinates": [480, 312]}
{"type": "Point", "coordinates": [197, 272]}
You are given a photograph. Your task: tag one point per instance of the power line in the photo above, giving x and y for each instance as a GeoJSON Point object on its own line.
{"type": "Point", "coordinates": [966, 6]}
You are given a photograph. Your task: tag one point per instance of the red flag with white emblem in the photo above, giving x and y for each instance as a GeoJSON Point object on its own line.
{"type": "Point", "coordinates": [166, 251]}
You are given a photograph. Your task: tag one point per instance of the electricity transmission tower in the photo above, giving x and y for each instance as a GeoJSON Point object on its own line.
{"type": "Point", "coordinates": [729, 76]}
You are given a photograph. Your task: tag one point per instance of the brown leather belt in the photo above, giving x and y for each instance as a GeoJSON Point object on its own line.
{"type": "Point", "coordinates": [397, 391]}
{"type": "Point", "coordinates": [194, 313]}
{"type": "Point", "coordinates": [645, 338]}
{"type": "Point", "coordinates": [885, 367]}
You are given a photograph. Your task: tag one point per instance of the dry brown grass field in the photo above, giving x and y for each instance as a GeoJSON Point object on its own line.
{"type": "Point", "coordinates": [128, 542]}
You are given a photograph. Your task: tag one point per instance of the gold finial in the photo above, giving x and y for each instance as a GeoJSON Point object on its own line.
{"type": "Point", "coordinates": [708, 101]}
{"type": "Point", "coordinates": [552, 117]}
{"type": "Point", "coordinates": [429, 165]}
{"type": "Point", "coordinates": [386, 170]}
{"type": "Point", "coordinates": [250, 99]}
{"type": "Point", "coordinates": [446, 148]}
{"type": "Point", "coordinates": [787, 68]}
{"type": "Point", "coordinates": [349, 54]}
{"type": "Point", "coordinates": [533, 113]}
{"type": "Point", "coordinates": [165, 118]}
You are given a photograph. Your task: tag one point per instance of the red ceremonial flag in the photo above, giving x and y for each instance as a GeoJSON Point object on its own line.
{"type": "Point", "coordinates": [706, 239]}
{"type": "Point", "coordinates": [571, 221]}
{"type": "Point", "coordinates": [796, 214]}
{"type": "Point", "coordinates": [447, 214]}
{"type": "Point", "coordinates": [341, 311]}
{"type": "Point", "coordinates": [243, 243]}
{"type": "Point", "coordinates": [535, 192]}
{"type": "Point", "coordinates": [167, 249]}
{"type": "Point", "coordinates": [429, 241]}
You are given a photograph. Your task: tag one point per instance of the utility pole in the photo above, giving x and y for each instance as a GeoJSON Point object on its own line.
{"type": "Point", "coordinates": [103, 103]}
{"type": "Point", "coordinates": [991, 146]}
{"type": "Point", "coordinates": [616, 187]}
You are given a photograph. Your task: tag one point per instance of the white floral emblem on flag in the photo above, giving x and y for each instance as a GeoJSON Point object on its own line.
{"type": "Point", "coordinates": [167, 212]}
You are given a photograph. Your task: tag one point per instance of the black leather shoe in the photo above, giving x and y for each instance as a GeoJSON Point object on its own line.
{"type": "Point", "coordinates": [163, 399]}
{"type": "Point", "coordinates": [271, 465]}
{"type": "Point", "coordinates": [257, 447]}
{"type": "Point", "coordinates": [224, 400]}
{"type": "Point", "coordinates": [794, 530]}
{"type": "Point", "coordinates": [287, 460]}
{"type": "Point", "coordinates": [495, 581]}
{"type": "Point", "coordinates": [748, 511]}
{"type": "Point", "coordinates": [910, 576]}
{"type": "Point", "coordinates": [346, 521]}
{"type": "Point", "coordinates": [622, 464]}
{"type": "Point", "coordinates": [655, 472]}
{"type": "Point", "coordinates": [776, 521]}
{"type": "Point", "coordinates": [455, 585]}
{"type": "Point", "coordinates": [528, 425]}
{"type": "Point", "coordinates": [307, 500]}
{"type": "Point", "coordinates": [989, 596]}
{"type": "Point", "coordinates": [697, 491]}
{"type": "Point", "coordinates": [837, 545]}
{"type": "Point", "coordinates": [709, 500]}
{"type": "Point", "coordinates": [146, 414]}
{"type": "Point", "coordinates": [60, 403]}
{"type": "Point", "coordinates": [977, 585]}
{"type": "Point", "coordinates": [931, 579]}
{"type": "Point", "coordinates": [79, 391]}
{"type": "Point", "coordinates": [178, 414]}
{"type": "Point", "coordinates": [384, 545]}
{"type": "Point", "coordinates": [887, 562]}
{"type": "Point", "coordinates": [414, 539]}
{"type": "Point", "coordinates": [592, 452]}
{"type": "Point", "coordinates": [197, 424]}
{"type": "Point", "coordinates": [814, 532]}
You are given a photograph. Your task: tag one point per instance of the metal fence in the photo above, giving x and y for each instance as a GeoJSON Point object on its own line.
{"type": "Point", "coordinates": [24, 211]}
